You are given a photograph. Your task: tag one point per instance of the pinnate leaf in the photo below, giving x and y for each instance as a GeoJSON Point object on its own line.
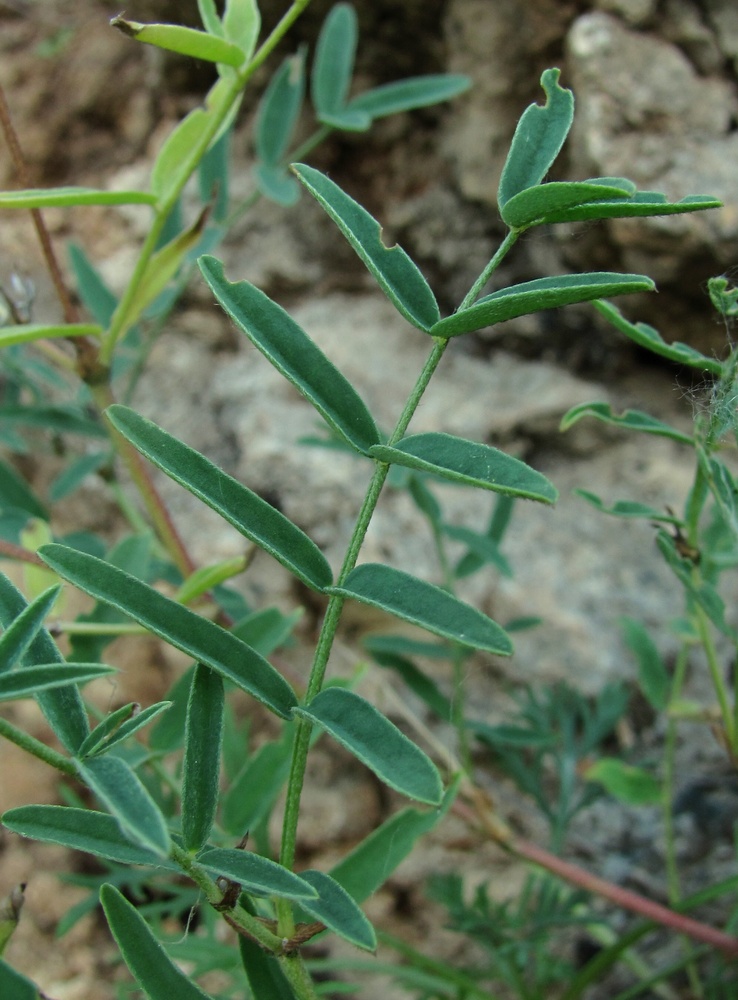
{"type": "Point", "coordinates": [398, 276]}
{"type": "Point", "coordinates": [198, 637]}
{"type": "Point", "coordinates": [377, 742]}
{"type": "Point", "coordinates": [294, 354]}
{"type": "Point", "coordinates": [534, 296]}
{"type": "Point", "coordinates": [538, 138]}
{"type": "Point", "coordinates": [201, 767]}
{"type": "Point", "coordinates": [398, 593]}
{"type": "Point", "coordinates": [247, 512]}
{"type": "Point", "coordinates": [150, 966]}
{"type": "Point", "coordinates": [121, 791]}
{"type": "Point", "coordinates": [338, 911]}
{"type": "Point", "coordinates": [468, 462]}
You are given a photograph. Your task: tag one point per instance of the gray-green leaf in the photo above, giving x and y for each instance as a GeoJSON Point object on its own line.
{"type": "Point", "coordinates": [248, 513]}
{"type": "Point", "coordinates": [538, 138]}
{"type": "Point", "coordinates": [398, 276]}
{"type": "Point", "coordinates": [536, 204]}
{"type": "Point", "coordinates": [201, 767]}
{"type": "Point", "coordinates": [468, 462]}
{"type": "Point", "coordinates": [338, 911]}
{"type": "Point", "coordinates": [376, 741]}
{"type": "Point", "coordinates": [27, 682]}
{"type": "Point", "coordinates": [293, 353]}
{"type": "Point", "coordinates": [198, 637]}
{"type": "Point", "coordinates": [120, 791]}
{"type": "Point", "coordinates": [150, 966]}
{"type": "Point", "coordinates": [426, 605]}
{"type": "Point", "coordinates": [632, 420]}
{"type": "Point", "coordinates": [255, 873]}
{"type": "Point", "coordinates": [534, 296]}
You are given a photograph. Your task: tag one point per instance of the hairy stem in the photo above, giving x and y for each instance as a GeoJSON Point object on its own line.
{"type": "Point", "coordinates": [37, 748]}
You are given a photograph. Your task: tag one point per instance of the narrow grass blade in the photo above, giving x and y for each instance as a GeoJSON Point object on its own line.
{"type": "Point", "coordinates": [406, 95]}
{"type": "Point", "coordinates": [470, 463]}
{"type": "Point", "coordinates": [185, 41]}
{"type": "Point", "coordinates": [538, 138]}
{"type": "Point", "coordinates": [294, 354]}
{"type": "Point", "coordinates": [83, 830]}
{"type": "Point", "coordinates": [370, 863]}
{"type": "Point", "coordinates": [398, 276]}
{"type": "Point", "coordinates": [256, 873]}
{"type": "Point", "coordinates": [426, 605]}
{"type": "Point", "coordinates": [338, 911]}
{"type": "Point", "coordinates": [538, 204]}
{"type": "Point", "coordinates": [150, 966]}
{"type": "Point", "coordinates": [29, 681]}
{"type": "Point", "coordinates": [198, 637]}
{"type": "Point", "coordinates": [541, 293]}
{"type": "Point", "coordinates": [62, 707]}
{"type": "Point", "coordinates": [120, 791]}
{"type": "Point", "coordinates": [247, 512]}
{"type": "Point", "coordinates": [376, 741]}
{"type": "Point", "coordinates": [646, 336]}
{"type": "Point", "coordinates": [19, 635]}
{"type": "Point", "coordinates": [67, 197]}
{"type": "Point", "coordinates": [201, 767]}
{"type": "Point", "coordinates": [631, 420]}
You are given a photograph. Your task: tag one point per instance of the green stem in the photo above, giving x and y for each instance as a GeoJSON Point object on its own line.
{"type": "Point", "coordinates": [329, 628]}
{"type": "Point", "coordinates": [501, 252]}
{"type": "Point", "coordinates": [716, 674]}
{"type": "Point", "coordinates": [37, 748]}
{"type": "Point", "coordinates": [300, 979]}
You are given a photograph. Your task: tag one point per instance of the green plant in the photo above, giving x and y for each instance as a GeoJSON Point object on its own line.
{"type": "Point", "coordinates": [163, 807]}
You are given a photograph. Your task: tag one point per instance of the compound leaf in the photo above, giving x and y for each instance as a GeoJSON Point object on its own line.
{"type": "Point", "coordinates": [398, 276]}
{"type": "Point", "coordinates": [376, 741]}
{"type": "Point", "coordinates": [198, 637]}
{"type": "Point", "coordinates": [468, 462]}
{"type": "Point", "coordinates": [426, 605]}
